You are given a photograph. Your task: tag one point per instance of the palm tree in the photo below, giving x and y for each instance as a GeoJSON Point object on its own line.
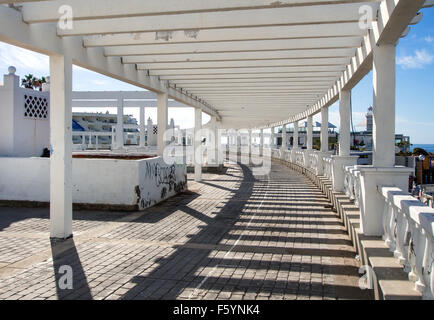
{"type": "Point", "coordinates": [31, 82]}
{"type": "Point", "coordinates": [28, 81]}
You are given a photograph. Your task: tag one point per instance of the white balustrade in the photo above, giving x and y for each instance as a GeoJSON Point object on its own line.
{"type": "Point", "coordinates": [299, 157]}
{"type": "Point", "coordinates": [313, 161]}
{"type": "Point", "coordinates": [352, 183]}
{"type": "Point", "coordinates": [327, 161]}
{"type": "Point", "coordinates": [408, 227]}
{"type": "Point", "coordinates": [275, 153]}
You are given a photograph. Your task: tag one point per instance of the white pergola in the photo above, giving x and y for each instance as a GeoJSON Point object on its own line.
{"type": "Point", "coordinates": [249, 64]}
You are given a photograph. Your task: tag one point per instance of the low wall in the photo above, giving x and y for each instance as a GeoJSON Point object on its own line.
{"type": "Point", "coordinates": [129, 184]}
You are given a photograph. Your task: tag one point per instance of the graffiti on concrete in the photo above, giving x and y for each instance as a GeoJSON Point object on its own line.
{"type": "Point", "coordinates": [143, 202]}
{"type": "Point", "coordinates": [160, 182]}
{"type": "Point", "coordinates": [162, 175]}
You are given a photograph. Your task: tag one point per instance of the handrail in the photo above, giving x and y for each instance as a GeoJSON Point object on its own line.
{"type": "Point", "coordinates": [408, 226]}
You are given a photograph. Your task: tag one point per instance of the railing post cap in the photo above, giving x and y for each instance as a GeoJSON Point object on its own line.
{"type": "Point", "coordinates": [12, 70]}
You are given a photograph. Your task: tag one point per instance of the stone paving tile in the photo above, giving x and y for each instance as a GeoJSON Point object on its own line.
{"type": "Point", "coordinates": [231, 237]}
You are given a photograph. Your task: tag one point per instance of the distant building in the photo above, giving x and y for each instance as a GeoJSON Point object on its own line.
{"type": "Point", "coordinates": [363, 139]}
{"type": "Point", "coordinates": [99, 127]}
{"type": "Point", "coordinates": [302, 134]}
{"type": "Point", "coordinates": [103, 122]}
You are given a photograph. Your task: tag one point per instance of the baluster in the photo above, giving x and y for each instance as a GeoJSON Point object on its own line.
{"type": "Point", "coordinates": [428, 268]}
{"type": "Point", "coordinates": [416, 256]}
{"type": "Point", "coordinates": [387, 216]}
{"type": "Point", "coordinates": [392, 227]}
{"type": "Point", "coordinates": [401, 235]}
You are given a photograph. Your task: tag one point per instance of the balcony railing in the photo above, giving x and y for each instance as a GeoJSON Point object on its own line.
{"type": "Point", "coordinates": [408, 232]}
{"type": "Point", "coordinates": [408, 224]}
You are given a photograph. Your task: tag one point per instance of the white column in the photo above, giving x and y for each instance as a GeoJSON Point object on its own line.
{"type": "Point", "coordinates": [212, 156]}
{"type": "Point", "coordinates": [344, 158]}
{"type": "Point", "coordinates": [309, 133]}
{"type": "Point", "coordinates": [384, 106]}
{"type": "Point", "coordinates": [249, 143]}
{"type": "Point", "coordinates": [324, 129]}
{"type": "Point", "coordinates": [261, 142]}
{"type": "Point", "coordinates": [383, 171]}
{"type": "Point", "coordinates": [162, 113]}
{"type": "Point", "coordinates": [61, 147]}
{"type": "Point", "coordinates": [96, 142]}
{"type": "Point", "coordinates": [120, 125]}
{"type": "Point", "coordinates": [142, 127]}
{"type": "Point", "coordinates": [149, 133]}
{"type": "Point", "coordinates": [272, 138]}
{"type": "Point", "coordinates": [197, 144]}
{"type": "Point", "coordinates": [344, 124]}
{"type": "Point", "coordinates": [284, 146]}
{"type": "Point", "coordinates": [309, 142]}
{"type": "Point", "coordinates": [295, 136]}
{"type": "Point", "coordinates": [217, 142]}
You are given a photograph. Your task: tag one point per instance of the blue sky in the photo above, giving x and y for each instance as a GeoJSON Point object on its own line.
{"type": "Point", "coordinates": [414, 96]}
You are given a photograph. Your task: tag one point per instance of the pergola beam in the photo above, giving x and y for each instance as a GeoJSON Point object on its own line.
{"type": "Point", "coordinates": [42, 38]}
{"type": "Point", "coordinates": [244, 64]}
{"type": "Point", "coordinates": [343, 29]}
{"type": "Point", "coordinates": [242, 56]}
{"type": "Point", "coordinates": [83, 9]}
{"type": "Point", "coordinates": [316, 14]}
{"type": "Point", "coordinates": [237, 46]}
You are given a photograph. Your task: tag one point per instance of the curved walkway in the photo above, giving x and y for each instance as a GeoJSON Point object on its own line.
{"type": "Point", "coordinates": [232, 236]}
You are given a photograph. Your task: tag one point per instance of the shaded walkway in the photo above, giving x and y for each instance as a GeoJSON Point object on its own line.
{"type": "Point", "coordinates": [233, 236]}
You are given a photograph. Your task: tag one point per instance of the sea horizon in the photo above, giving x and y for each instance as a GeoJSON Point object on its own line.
{"type": "Point", "coordinates": [427, 147]}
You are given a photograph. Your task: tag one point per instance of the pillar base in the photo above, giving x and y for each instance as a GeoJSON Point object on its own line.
{"type": "Point", "coordinates": [55, 240]}
{"type": "Point", "coordinates": [371, 201]}
{"type": "Point", "coordinates": [338, 173]}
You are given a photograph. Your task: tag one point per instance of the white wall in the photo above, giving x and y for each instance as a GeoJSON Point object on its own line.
{"type": "Point", "coordinates": [7, 114]}
{"type": "Point", "coordinates": [95, 181]}
{"type": "Point", "coordinates": [21, 136]}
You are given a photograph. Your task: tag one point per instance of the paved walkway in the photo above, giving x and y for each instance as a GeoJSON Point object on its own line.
{"type": "Point", "coordinates": [233, 236]}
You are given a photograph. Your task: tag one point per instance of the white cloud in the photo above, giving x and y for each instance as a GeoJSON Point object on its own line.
{"type": "Point", "coordinates": [22, 58]}
{"type": "Point", "coordinates": [418, 60]}
{"type": "Point", "coordinates": [429, 39]}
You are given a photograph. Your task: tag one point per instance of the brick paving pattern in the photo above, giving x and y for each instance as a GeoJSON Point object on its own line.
{"type": "Point", "coordinates": [232, 236]}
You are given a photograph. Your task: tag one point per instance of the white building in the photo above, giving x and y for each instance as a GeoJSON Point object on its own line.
{"type": "Point", "coordinates": [102, 122]}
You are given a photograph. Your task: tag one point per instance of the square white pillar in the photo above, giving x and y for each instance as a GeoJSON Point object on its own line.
{"type": "Point", "coordinates": [344, 158]}
{"type": "Point", "coordinates": [295, 136]}
{"type": "Point", "coordinates": [344, 122]}
{"type": "Point", "coordinates": [261, 142]}
{"type": "Point", "coordinates": [142, 127]}
{"type": "Point", "coordinates": [383, 136]}
{"type": "Point", "coordinates": [294, 149]}
{"type": "Point", "coordinates": [324, 129]}
{"type": "Point", "coordinates": [211, 141]}
{"type": "Point", "coordinates": [309, 137]}
{"type": "Point", "coordinates": [162, 117]}
{"type": "Point", "coordinates": [197, 144]}
{"type": "Point", "coordinates": [383, 171]}
{"type": "Point", "coordinates": [120, 125]}
{"type": "Point", "coordinates": [284, 146]}
{"type": "Point", "coordinates": [61, 147]}
{"type": "Point", "coordinates": [249, 142]}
